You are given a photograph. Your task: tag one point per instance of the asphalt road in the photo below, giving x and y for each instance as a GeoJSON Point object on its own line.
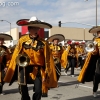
{"type": "Point", "coordinates": [69, 89]}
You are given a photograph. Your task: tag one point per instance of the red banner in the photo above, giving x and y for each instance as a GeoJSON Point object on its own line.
{"type": "Point", "coordinates": [24, 30]}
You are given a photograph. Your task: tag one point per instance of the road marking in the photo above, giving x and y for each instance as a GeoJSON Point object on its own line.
{"type": "Point", "coordinates": [87, 86]}
{"type": "Point", "coordinates": [77, 85]}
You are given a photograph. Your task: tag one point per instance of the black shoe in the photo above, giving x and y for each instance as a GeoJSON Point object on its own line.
{"type": "Point", "coordinates": [44, 95]}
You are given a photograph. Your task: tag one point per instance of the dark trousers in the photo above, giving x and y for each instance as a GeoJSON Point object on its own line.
{"type": "Point", "coordinates": [96, 82]}
{"type": "Point", "coordinates": [58, 70]}
{"type": "Point", "coordinates": [2, 82]}
{"type": "Point", "coordinates": [71, 64]}
{"type": "Point", "coordinates": [23, 89]}
{"type": "Point", "coordinates": [1, 88]}
{"type": "Point", "coordinates": [81, 62]}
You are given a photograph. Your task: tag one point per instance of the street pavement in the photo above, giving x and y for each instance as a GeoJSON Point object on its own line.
{"type": "Point", "coordinates": [69, 89]}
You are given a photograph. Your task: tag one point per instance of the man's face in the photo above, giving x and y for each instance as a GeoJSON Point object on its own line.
{"type": "Point", "coordinates": [98, 33]}
{"type": "Point", "coordinates": [1, 41]}
{"type": "Point", "coordinates": [34, 30]}
{"type": "Point", "coordinates": [55, 41]}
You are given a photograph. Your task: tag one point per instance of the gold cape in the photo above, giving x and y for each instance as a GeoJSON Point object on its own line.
{"type": "Point", "coordinates": [50, 68]}
{"type": "Point", "coordinates": [64, 57]}
{"type": "Point", "coordinates": [82, 73]}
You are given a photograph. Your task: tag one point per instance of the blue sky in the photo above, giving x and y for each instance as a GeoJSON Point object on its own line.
{"type": "Point", "coordinates": [69, 12]}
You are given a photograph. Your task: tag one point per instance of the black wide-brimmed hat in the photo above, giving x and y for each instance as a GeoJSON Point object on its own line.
{"type": "Point", "coordinates": [33, 21]}
{"type": "Point", "coordinates": [94, 29]}
{"type": "Point", "coordinates": [60, 37]}
{"type": "Point", "coordinates": [5, 36]}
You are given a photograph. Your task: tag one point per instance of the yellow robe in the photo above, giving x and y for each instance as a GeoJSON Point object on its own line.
{"type": "Point", "coordinates": [51, 81]}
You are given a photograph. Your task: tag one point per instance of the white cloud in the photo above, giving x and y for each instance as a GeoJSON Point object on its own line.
{"type": "Point", "coordinates": [51, 11]}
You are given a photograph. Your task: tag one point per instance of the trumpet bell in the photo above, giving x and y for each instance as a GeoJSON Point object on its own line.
{"type": "Point", "coordinates": [89, 46]}
{"type": "Point", "coordinates": [22, 60]}
{"type": "Point", "coordinates": [89, 49]}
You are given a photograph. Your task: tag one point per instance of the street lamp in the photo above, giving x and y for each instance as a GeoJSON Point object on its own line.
{"type": "Point", "coordinates": [96, 11]}
{"type": "Point", "coordinates": [9, 23]}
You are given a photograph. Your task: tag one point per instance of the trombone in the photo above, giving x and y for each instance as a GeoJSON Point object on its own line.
{"type": "Point", "coordinates": [56, 61]}
{"type": "Point", "coordinates": [22, 61]}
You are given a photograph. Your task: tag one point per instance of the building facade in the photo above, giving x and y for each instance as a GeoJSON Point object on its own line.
{"type": "Point", "coordinates": [72, 33]}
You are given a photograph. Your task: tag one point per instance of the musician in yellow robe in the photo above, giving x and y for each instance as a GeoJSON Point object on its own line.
{"type": "Point", "coordinates": [81, 54]}
{"type": "Point", "coordinates": [65, 55]}
{"type": "Point", "coordinates": [4, 58]}
{"type": "Point", "coordinates": [71, 57]}
{"type": "Point", "coordinates": [57, 51]}
{"type": "Point", "coordinates": [34, 53]}
{"type": "Point", "coordinates": [91, 68]}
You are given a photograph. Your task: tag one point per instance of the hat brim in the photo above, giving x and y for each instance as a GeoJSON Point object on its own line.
{"type": "Point", "coordinates": [25, 22]}
{"type": "Point", "coordinates": [6, 37]}
{"type": "Point", "coordinates": [94, 29]}
{"type": "Point", "coordinates": [56, 36]}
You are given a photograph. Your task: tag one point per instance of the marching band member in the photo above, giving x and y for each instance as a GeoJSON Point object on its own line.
{"type": "Point", "coordinates": [32, 57]}
{"type": "Point", "coordinates": [91, 68]}
{"type": "Point", "coordinates": [4, 58]}
{"type": "Point", "coordinates": [57, 51]}
{"type": "Point", "coordinates": [71, 58]}
{"type": "Point", "coordinates": [81, 54]}
{"type": "Point", "coordinates": [67, 48]}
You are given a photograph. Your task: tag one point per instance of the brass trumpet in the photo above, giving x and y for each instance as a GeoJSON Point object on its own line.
{"type": "Point", "coordinates": [22, 61]}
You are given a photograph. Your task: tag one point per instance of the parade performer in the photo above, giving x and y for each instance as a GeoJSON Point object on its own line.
{"type": "Point", "coordinates": [71, 57]}
{"type": "Point", "coordinates": [32, 57]}
{"type": "Point", "coordinates": [57, 51]}
{"type": "Point", "coordinates": [81, 54]}
{"type": "Point", "coordinates": [4, 58]}
{"type": "Point", "coordinates": [91, 68]}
